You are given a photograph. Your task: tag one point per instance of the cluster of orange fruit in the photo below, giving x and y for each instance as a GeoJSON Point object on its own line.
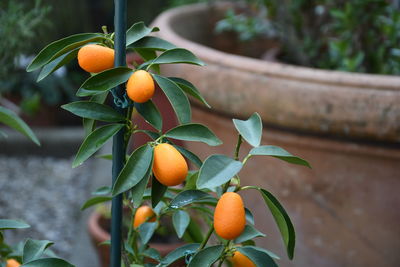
{"type": "Point", "coordinates": [95, 58]}
{"type": "Point", "coordinates": [169, 167]}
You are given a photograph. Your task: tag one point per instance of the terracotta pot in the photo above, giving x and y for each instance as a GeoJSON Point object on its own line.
{"type": "Point", "coordinates": [344, 209]}
{"type": "Point", "coordinates": [303, 99]}
{"type": "Point", "coordinates": [98, 234]}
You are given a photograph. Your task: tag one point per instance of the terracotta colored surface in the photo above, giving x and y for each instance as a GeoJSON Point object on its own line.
{"type": "Point", "coordinates": [345, 210]}
{"type": "Point", "coordinates": [312, 100]}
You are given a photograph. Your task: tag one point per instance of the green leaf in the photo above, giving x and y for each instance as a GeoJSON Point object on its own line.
{"type": "Point", "coordinates": [57, 63]}
{"type": "Point", "coordinates": [179, 253]}
{"type": "Point", "coordinates": [180, 220]}
{"type": "Point", "coordinates": [157, 191]}
{"type": "Point", "coordinates": [138, 190]}
{"type": "Point", "coordinates": [207, 256]}
{"type": "Point", "coordinates": [93, 110]}
{"type": "Point", "coordinates": [33, 249]}
{"type": "Point", "coordinates": [94, 142]}
{"type": "Point", "coordinates": [94, 201]}
{"type": "Point", "coordinates": [251, 129]}
{"type": "Point", "coordinates": [248, 233]}
{"type": "Point", "coordinates": [194, 132]}
{"type": "Point", "coordinates": [152, 254]}
{"type": "Point", "coordinates": [194, 233]}
{"type": "Point", "coordinates": [279, 153]}
{"type": "Point", "coordinates": [60, 47]}
{"type": "Point", "coordinates": [102, 191]}
{"type": "Point", "coordinates": [249, 216]}
{"type": "Point", "coordinates": [152, 43]}
{"type": "Point", "coordinates": [136, 32]}
{"type": "Point", "coordinates": [48, 262]}
{"type": "Point", "coordinates": [258, 256]}
{"type": "Point", "coordinates": [283, 221]}
{"type": "Point", "coordinates": [217, 170]}
{"type": "Point", "coordinates": [146, 231]}
{"type": "Point", "coordinates": [12, 120]}
{"type": "Point", "coordinates": [190, 89]}
{"type": "Point", "coordinates": [176, 97]}
{"type": "Point", "coordinates": [191, 179]}
{"type": "Point", "coordinates": [150, 113]}
{"type": "Point", "coordinates": [188, 197]}
{"type": "Point", "coordinates": [177, 55]}
{"type": "Point", "coordinates": [189, 155]}
{"type": "Point", "coordinates": [152, 135]}
{"type": "Point", "coordinates": [104, 81]}
{"type": "Point", "coordinates": [89, 124]}
{"type": "Point", "coordinates": [12, 224]}
{"type": "Point", "coordinates": [134, 170]}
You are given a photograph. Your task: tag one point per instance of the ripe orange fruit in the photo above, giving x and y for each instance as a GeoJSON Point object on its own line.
{"type": "Point", "coordinates": [13, 263]}
{"type": "Point", "coordinates": [95, 58]}
{"type": "Point", "coordinates": [229, 216]}
{"type": "Point", "coordinates": [240, 260]}
{"type": "Point", "coordinates": [140, 86]}
{"type": "Point", "coordinates": [169, 167]}
{"type": "Point", "coordinates": [143, 214]}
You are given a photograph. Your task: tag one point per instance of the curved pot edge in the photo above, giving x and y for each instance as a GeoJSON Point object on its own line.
{"type": "Point", "coordinates": [358, 80]}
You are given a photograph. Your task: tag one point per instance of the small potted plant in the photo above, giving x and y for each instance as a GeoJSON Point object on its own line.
{"type": "Point", "coordinates": [157, 172]}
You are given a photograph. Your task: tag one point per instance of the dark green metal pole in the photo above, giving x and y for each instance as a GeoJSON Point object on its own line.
{"type": "Point", "coordinates": [119, 148]}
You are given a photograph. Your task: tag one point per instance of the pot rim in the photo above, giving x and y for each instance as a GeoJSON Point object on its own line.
{"type": "Point", "coordinates": [287, 71]}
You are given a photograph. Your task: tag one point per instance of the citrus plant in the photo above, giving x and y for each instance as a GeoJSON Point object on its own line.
{"type": "Point", "coordinates": [155, 180]}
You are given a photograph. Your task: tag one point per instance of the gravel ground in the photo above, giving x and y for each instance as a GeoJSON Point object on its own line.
{"type": "Point", "coordinates": [46, 193]}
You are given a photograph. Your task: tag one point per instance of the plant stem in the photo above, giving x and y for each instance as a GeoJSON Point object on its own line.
{"type": "Point", "coordinates": [220, 262]}
{"type": "Point", "coordinates": [237, 149]}
{"type": "Point", "coordinates": [204, 243]}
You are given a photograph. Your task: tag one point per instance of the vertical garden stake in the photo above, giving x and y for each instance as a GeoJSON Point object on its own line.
{"type": "Point", "coordinates": [118, 150]}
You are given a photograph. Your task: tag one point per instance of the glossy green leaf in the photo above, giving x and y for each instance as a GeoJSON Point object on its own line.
{"type": "Point", "coordinates": [136, 32]}
{"type": "Point", "coordinates": [176, 97]}
{"type": "Point", "coordinates": [207, 256]}
{"type": "Point", "coordinates": [138, 190]}
{"type": "Point", "coordinates": [249, 216]}
{"type": "Point", "coordinates": [57, 63]}
{"type": "Point", "coordinates": [150, 113]}
{"type": "Point", "coordinates": [60, 47]}
{"type": "Point", "coordinates": [179, 253]}
{"type": "Point", "coordinates": [157, 191]}
{"type": "Point", "coordinates": [279, 153]}
{"type": "Point", "coordinates": [48, 262]}
{"type": "Point", "coordinates": [180, 220]}
{"type": "Point", "coordinates": [152, 254]}
{"type": "Point", "coordinates": [12, 120]}
{"type": "Point", "coordinates": [248, 233]}
{"type": "Point", "coordinates": [93, 110]}
{"type": "Point", "coordinates": [89, 124]}
{"type": "Point", "coordinates": [94, 201]}
{"type": "Point", "coordinates": [102, 191]}
{"type": "Point", "coordinates": [190, 89]}
{"type": "Point", "coordinates": [251, 129]}
{"type": "Point", "coordinates": [177, 55]}
{"type": "Point", "coordinates": [217, 170]}
{"type": "Point", "coordinates": [33, 249]}
{"type": "Point", "coordinates": [258, 256]}
{"type": "Point", "coordinates": [134, 170]}
{"type": "Point", "coordinates": [95, 141]}
{"type": "Point", "coordinates": [191, 179]}
{"type": "Point", "coordinates": [282, 220]}
{"type": "Point", "coordinates": [194, 132]}
{"type": "Point", "coordinates": [146, 231]}
{"type": "Point", "coordinates": [189, 155]}
{"type": "Point", "coordinates": [188, 197]}
{"type": "Point", "coordinates": [193, 233]}
{"type": "Point", "coordinates": [12, 224]}
{"type": "Point", "coordinates": [153, 43]}
{"type": "Point", "coordinates": [104, 81]}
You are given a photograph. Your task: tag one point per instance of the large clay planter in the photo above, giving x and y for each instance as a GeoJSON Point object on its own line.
{"type": "Point", "coordinates": [345, 210]}
{"type": "Point", "coordinates": [98, 234]}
